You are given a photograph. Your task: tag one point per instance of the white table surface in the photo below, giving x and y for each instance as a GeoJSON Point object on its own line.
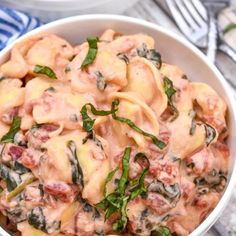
{"type": "Point", "coordinates": [149, 10]}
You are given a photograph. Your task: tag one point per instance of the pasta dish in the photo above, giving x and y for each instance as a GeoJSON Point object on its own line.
{"type": "Point", "coordinates": [106, 138]}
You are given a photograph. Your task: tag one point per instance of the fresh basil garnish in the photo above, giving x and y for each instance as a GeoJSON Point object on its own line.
{"type": "Point", "coordinates": [229, 27]}
{"type": "Point", "coordinates": [92, 52]}
{"type": "Point", "coordinates": [170, 92]}
{"type": "Point", "coordinates": [88, 122]}
{"type": "Point", "coordinates": [15, 127]}
{"type": "Point", "coordinates": [117, 200]}
{"type": "Point", "coordinates": [45, 70]}
{"type": "Point", "coordinates": [108, 179]}
{"type": "Point", "coordinates": [210, 134]}
{"type": "Point", "coordinates": [161, 231]}
{"type": "Point", "coordinates": [131, 124]}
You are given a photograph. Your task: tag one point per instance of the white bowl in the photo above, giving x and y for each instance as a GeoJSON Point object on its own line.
{"type": "Point", "coordinates": [174, 49]}
{"type": "Point", "coordinates": [48, 10]}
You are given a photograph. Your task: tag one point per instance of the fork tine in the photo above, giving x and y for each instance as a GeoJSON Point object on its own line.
{"type": "Point", "coordinates": [179, 18]}
{"type": "Point", "coordinates": [186, 15]}
{"type": "Point", "coordinates": [196, 15]}
{"type": "Point", "coordinates": [201, 9]}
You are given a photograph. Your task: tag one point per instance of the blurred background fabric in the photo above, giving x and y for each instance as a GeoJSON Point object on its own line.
{"type": "Point", "coordinates": [13, 24]}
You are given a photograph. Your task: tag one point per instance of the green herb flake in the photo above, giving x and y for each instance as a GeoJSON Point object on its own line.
{"type": "Point", "coordinates": [229, 27]}
{"type": "Point", "coordinates": [15, 127]}
{"type": "Point", "coordinates": [45, 70]}
{"type": "Point", "coordinates": [162, 231]}
{"type": "Point", "coordinates": [92, 52]}
{"type": "Point", "coordinates": [170, 92]}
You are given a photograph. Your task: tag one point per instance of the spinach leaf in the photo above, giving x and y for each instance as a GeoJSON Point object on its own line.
{"type": "Point", "coordinates": [170, 192]}
{"type": "Point", "coordinates": [150, 54]}
{"type": "Point", "coordinates": [19, 168]}
{"type": "Point", "coordinates": [92, 52]}
{"type": "Point", "coordinates": [162, 231]}
{"type": "Point", "coordinates": [131, 124]}
{"type": "Point", "coordinates": [101, 82]}
{"type": "Point", "coordinates": [123, 57]}
{"type": "Point", "coordinates": [11, 178]}
{"type": "Point", "coordinates": [210, 134]}
{"type": "Point", "coordinates": [37, 219]}
{"type": "Point", "coordinates": [192, 114]}
{"type": "Point", "coordinates": [15, 127]}
{"type": "Point", "coordinates": [45, 70]}
{"type": "Point", "coordinates": [77, 173]}
{"type": "Point", "coordinates": [170, 92]}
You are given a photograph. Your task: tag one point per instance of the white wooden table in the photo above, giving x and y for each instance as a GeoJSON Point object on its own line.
{"type": "Point", "coordinates": [149, 10]}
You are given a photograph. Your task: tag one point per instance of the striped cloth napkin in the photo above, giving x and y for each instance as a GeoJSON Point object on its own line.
{"type": "Point", "coordinates": [13, 24]}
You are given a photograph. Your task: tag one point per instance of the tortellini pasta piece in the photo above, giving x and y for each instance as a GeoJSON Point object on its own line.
{"type": "Point", "coordinates": [11, 94]}
{"type": "Point", "coordinates": [182, 143]}
{"type": "Point", "coordinates": [145, 80]}
{"type": "Point", "coordinates": [212, 107]}
{"type": "Point", "coordinates": [92, 159]}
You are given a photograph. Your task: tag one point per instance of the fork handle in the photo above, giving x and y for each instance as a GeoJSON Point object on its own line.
{"type": "Point", "coordinates": [225, 48]}
{"type": "Point", "coordinates": [212, 37]}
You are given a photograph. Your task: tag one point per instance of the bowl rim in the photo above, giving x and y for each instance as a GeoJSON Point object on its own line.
{"type": "Point", "coordinates": [213, 216]}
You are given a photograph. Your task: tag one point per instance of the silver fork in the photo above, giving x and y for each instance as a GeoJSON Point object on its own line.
{"type": "Point", "coordinates": [192, 19]}
{"type": "Point", "coordinates": [213, 8]}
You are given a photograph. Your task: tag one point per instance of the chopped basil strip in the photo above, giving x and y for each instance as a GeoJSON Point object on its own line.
{"type": "Point", "coordinates": [123, 57]}
{"type": "Point", "coordinates": [150, 54]}
{"type": "Point", "coordinates": [92, 52]}
{"type": "Point", "coordinates": [101, 82]}
{"type": "Point", "coordinates": [229, 27]}
{"type": "Point", "coordinates": [45, 70]}
{"type": "Point", "coordinates": [15, 127]}
{"type": "Point", "coordinates": [108, 179]}
{"type": "Point", "coordinates": [117, 201]}
{"type": "Point", "coordinates": [170, 92]}
{"type": "Point", "coordinates": [77, 173]}
{"type": "Point", "coordinates": [88, 122]}
{"type": "Point", "coordinates": [120, 224]}
{"type": "Point", "coordinates": [130, 123]}
{"type": "Point", "coordinates": [210, 133]}
{"type": "Point", "coordinates": [161, 231]}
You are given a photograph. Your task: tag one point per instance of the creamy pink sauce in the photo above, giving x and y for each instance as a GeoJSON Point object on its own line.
{"type": "Point", "coordinates": [185, 179]}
